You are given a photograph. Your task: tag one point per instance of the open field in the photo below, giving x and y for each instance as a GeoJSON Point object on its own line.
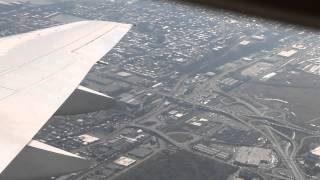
{"type": "Point", "coordinates": [302, 96]}
{"type": "Point", "coordinates": [179, 166]}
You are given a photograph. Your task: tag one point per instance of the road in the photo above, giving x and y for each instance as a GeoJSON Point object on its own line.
{"type": "Point", "coordinates": [159, 134]}
{"type": "Point", "coordinates": [291, 165]}
{"type": "Point", "coordinates": [287, 159]}
{"type": "Point", "coordinates": [164, 137]}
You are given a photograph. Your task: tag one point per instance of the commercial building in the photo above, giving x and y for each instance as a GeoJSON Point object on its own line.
{"type": "Point", "coordinates": [314, 155]}
{"type": "Point", "coordinates": [253, 156]}
{"type": "Point", "coordinates": [124, 161]}
{"type": "Point", "coordinates": [87, 139]}
{"type": "Point", "coordinates": [316, 151]}
{"type": "Point", "coordinates": [211, 151]}
{"type": "Point", "coordinates": [287, 53]}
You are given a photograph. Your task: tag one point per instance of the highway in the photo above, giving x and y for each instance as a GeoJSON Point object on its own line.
{"type": "Point", "coordinates": [288, 159]}
{"type": "Point", "coordinates": [164, 137]}
{"type": "Point", "coordinates": [159, 134]}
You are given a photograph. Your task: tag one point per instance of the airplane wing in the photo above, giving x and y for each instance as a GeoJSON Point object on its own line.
{"type": "Point", "coordinates": [40, 70]}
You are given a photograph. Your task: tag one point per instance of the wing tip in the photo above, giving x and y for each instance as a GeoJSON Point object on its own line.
{"type": "Point", "coordinates": [119, 24]}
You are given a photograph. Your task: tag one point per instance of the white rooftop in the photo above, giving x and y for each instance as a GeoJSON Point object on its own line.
{"type": "Point", "coordinates": [88, 139]}
{"type": "Point", "coordinates": [124, 74]}
{"type": "Point", "coordinates": [173, 112]}
{"type": "Point", "coordinates": [316, 151]}
{"type": "Point", "coordinates": [203, 120]}
{"type": "Point", "coordinates": [245, 42]}
{"type": "Point", "coordinates": [196, 124]}
{"type": "Point", "coordinates": [287, 53]}
{"type": "Point", "coordinates": [124, 161]}
{"type": "Point", "coordinates": [179, 115]}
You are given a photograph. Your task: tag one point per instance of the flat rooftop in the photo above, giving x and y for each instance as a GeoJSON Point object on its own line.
{"type": "Point", "coordinates": [316, 151]}
{"type": "Point", "coordinates": [124, 161]}
{"type": "Point", "coordinates": [253, 155]}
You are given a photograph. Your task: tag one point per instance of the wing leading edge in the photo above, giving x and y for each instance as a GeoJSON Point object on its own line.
{"type": "Point", "coordinates": [40, 70]}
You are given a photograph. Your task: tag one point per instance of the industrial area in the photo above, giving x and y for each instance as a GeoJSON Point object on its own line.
{"type": "Point", "coordinates": [201, 93]}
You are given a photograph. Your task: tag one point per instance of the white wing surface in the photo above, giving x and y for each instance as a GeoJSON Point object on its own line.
{"type": "Point", "coordinates": [39, 71]}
